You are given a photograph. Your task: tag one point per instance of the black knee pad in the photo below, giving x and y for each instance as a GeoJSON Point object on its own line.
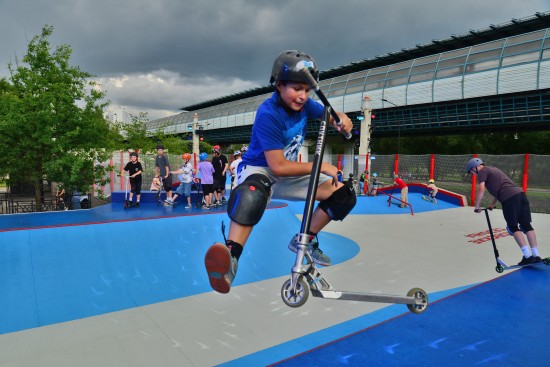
{"type": "Point", "coordinates": [248, 201]}
{"type": "Point", "coordinates": [340, 203]}
{"type": "Point", "coordinates": [512, 229]}
{"type": "Point", "coordinates": [525, 227]}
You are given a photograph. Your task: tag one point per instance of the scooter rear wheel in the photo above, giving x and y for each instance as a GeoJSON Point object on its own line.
{"type": "Point", "coordinates": [298, 298]}
{"type": "Point", "coordinates": [418, 294]}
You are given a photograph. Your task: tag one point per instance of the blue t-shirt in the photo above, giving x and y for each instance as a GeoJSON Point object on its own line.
{"type": "Point", "coordinates": [276, 129]}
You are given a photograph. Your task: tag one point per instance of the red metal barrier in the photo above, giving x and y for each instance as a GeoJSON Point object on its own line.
{"type": "Point", "coordinates": [474, 183]}
{"type": "Point", "coordinates": [525, 172]}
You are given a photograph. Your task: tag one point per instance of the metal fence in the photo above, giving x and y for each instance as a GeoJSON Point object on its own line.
{"type": "Point", "coordinates": [529, 171]}
{"type": "Point", "coordinates": [15, 204]}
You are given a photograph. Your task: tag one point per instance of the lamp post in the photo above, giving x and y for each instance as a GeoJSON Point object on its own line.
{"type": "Point", "coordinates": [398, 127]}
{"type": "Point", "coordinates": [195, 135]}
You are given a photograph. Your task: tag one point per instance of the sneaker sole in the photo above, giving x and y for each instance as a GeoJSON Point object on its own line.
{"type": "Point", "coordinates": [218, 262]}
{"type": "Point", "coordinates": [316, 261]}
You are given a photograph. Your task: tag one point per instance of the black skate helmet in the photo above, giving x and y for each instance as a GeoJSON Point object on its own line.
{"type": "Point", "coordinates": [288, 65]}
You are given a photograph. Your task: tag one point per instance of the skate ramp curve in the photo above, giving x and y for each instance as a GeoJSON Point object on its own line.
{"type": "Point", "coordinates": [58, 273]}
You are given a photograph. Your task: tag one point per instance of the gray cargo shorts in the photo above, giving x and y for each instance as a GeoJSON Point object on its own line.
{"type": "Point", "coordinates": [293, 188]}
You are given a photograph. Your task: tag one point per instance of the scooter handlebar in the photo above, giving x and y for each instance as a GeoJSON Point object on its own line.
{"type": "Point", "coordinates": [315, 86]}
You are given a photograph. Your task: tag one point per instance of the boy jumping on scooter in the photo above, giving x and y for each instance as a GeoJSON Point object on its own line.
{"type": "Point", "coordinates": [270, 169]}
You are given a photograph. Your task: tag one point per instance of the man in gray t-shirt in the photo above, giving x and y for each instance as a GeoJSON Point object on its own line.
{"type": "Point", "coordinates": [162, 169]}
{"type": "Point", "coordinates": [515, 206]}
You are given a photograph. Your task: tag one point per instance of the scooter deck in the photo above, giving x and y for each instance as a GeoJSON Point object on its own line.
{"type": "Point", "coordinates": [428, 199]}
{"type": "Point", "coordinates": [503, 266]}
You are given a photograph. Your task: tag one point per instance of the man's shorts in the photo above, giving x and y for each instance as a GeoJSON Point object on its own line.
{"type": "Point", "coordinates": [218, 185]}
{"type": "Point", "coordinates": [167, 183]}
{"type": "Point", "coordinates": [516, 210]}
{"type": "Point", "coordinates": [292, 188]}
{"type": "Point", "coordinates": [207, 189]}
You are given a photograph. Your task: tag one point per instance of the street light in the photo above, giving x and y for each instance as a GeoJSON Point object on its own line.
{"type": "Point", "coordinates": [398, 127]}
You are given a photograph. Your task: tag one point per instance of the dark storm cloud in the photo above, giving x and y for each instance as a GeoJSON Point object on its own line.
{"type": "Point", "coordinates": [197, 50]}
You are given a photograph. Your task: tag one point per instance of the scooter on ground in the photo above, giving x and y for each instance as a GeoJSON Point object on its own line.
{"type": "Point", "coordinates": [501, 265]}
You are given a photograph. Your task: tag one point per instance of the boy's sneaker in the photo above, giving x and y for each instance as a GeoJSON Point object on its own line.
{"type": "Point", "coordinates": [223, 199]}
{"type": "Point", "coordinates": [188, 206]}
{"type": "Point", "coordinates": [205, 207]}
{"type": "Point", "coordinates": [537, 259]}
{"type": "Point", "coordinates": [527, 261]}
{"type": "Point", "coordinates": [313, 248]}
{"type": "Point", "coordinates": [137, 205]}
{"type": "Point", "coordinates": [221, 267]}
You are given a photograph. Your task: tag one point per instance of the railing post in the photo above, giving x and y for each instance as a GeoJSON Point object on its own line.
{"type": "Point", "coordinates": [112, 175]}
{"type": "Point", "coordinates": [474, 182]}
{"type": "Point", "coordinates": [525, 172]}
{"type": "Point", "coordinates": [432, 166]}
{"type": "Point", "coordinates": [396, 165]}
{"type": "Point", "coordinates": [122, 182]}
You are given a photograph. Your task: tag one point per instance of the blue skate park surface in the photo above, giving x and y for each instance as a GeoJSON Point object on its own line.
{"type": "Point", "coordinates": [57, 269]}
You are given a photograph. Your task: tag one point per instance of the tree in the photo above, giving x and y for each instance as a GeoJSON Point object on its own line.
{"type": "Point", "coordinates": [135, 134]}
{"type": "Point", "coordinates": [51, 121]}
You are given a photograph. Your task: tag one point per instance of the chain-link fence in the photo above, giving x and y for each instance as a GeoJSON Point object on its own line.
{"type": "Point", "coordinates": [529, 171]}
{"type": "Point", "coordinates": [449, 171]}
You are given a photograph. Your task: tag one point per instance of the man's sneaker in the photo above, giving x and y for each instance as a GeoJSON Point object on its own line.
{"type": "Point", "coordinates": [221, 267]}
{"type": "Point", "coordinates": [188, 206]}
{"type": "Point", "coordinates": [527, 261]}
{"type": "Point", "coordinates": [537, 259]}
{"type": "Point", "coordinates": [313, 248]}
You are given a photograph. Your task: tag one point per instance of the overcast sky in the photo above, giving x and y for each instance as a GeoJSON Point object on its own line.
{"type": "Point", "coordinates": [157, 56]}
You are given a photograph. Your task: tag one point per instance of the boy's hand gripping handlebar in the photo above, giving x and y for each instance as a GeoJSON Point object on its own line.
{"type": "Point", "coordinates": [315, 86]}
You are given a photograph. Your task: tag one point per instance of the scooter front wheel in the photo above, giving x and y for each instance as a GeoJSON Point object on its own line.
{"type": "Point", "coordinates": [499, 268]}
{"type": "Point", "coordinates": [418, 294]}
{"type": "Point", "coordinates": [297, 298]}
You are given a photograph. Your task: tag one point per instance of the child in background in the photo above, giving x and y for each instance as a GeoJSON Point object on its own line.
{"type": "Point", "coordinates": [155, 184]}
{"type": "Point", "coordinates": [433, 191]}
{"type": "Point", "coordinates": [162, 168]}
{"type": "Point", "coordinates": [206, 172]}
{"type": "Point", "coordinates": [375, 184]}
{"type": "Point", "coordinates": [404, 190]}
{"type": "Point", "coordinates": [233, 167]}
{"type": "Point", "coordinates": [135, 170]}
{"type": "Point", "coordinates": [185, 173]}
